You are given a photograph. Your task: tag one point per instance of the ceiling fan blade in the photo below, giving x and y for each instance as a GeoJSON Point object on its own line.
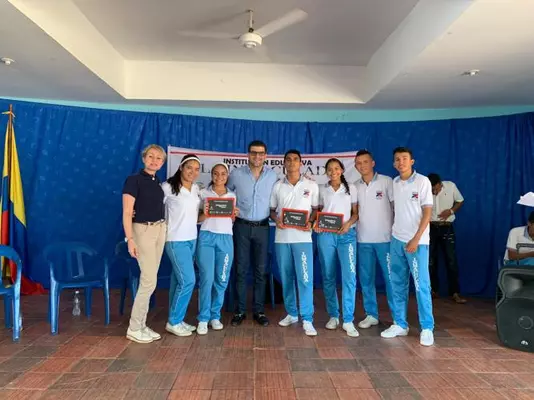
{"type": "Point", "coordinates": [208, 35]}
{"type": "Point", "coordinates": [292, 17]}
{"type": "Point", "coordinates": [225, 17]}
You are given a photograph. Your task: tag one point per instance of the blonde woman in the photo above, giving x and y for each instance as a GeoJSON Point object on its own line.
{"type": "Point", "coordinates": [143, 218]}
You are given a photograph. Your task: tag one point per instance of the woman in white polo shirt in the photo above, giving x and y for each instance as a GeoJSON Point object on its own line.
{"type": "Point", "coordinates": [339, 197]}
{"type": "Point", "coordinates": [182, 203]}
{"type": "Point", "coordinates": [215, 253]}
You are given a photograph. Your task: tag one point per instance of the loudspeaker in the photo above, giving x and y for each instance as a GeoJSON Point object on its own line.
{"type": "Point", "coordinates": [515, 307]}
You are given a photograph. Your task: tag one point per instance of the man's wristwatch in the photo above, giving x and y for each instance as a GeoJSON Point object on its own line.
{"type": "Point", "coordinates": [126, 239]}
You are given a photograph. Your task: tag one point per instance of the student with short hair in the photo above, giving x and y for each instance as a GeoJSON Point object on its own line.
{"type": "Point", "coordinates": [294, 248]}
{"type": "Point", "coordinates": [375, 213]}
{"type": "Point", "coordinates": [412, 197]}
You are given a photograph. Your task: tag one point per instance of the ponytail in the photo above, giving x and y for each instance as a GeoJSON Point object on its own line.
{"type": "Point", "coordinates": [176, 182]}
{"type": "Point", "coordinates": [345, 183]}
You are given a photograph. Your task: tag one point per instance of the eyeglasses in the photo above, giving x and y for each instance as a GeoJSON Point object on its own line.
{"type": "Point", "coordinates": [256, 153]}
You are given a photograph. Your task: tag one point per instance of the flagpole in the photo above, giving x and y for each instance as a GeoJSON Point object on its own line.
{"type": "Point", "coordinates": [9, 147]}
{"type": "Point", "coordinates": [9, 133]}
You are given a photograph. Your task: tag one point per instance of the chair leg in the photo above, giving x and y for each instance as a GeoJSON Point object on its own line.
{"type": "Point", "coordinates": [54, 307]}
{"type": "Point", "coordinates": [271, 277]}
{"type": "Point", "coordinates": [88, 300]}
{"type": "Point", "coordinates": [16, 317]}
{"type": "Point", "coordinates": [134, 285]}
{"type": "Point", "coordinates": [106, 300]}
{"type": "Point", "coordinates": [8, 314]}
{"type": "Point", "coordinates": [48, 314]}
{"type": "Point", "coordinates": [124, 289]}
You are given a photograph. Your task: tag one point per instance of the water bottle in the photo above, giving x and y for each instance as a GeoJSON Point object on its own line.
{"type": "Point", "coordinates": [76, 311]}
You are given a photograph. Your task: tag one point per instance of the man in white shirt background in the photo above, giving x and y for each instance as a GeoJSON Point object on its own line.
{"type": "Point", "coordinates": [447, 201]}
{"type": "Point", "coordinates": [521, 235]}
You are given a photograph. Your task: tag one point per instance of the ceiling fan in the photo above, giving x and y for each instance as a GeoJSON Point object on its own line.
{"type": "Point", "coordinates": [254, 37]}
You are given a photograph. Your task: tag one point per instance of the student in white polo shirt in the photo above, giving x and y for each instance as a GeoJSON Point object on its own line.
{"type": "Point", "coordinates": [215, 253]}
{"type": "Point", "coordinates": [375, 213]}
{"type": "Point", "coordinates": [339, 197]}
{"type": "Point", "coordinates": [521, 235]}
{"type": "Point", "coordinates": [412, 196]}
{"type": "Point", "coordinates": [182, 202]}
{"type": "Point", "coordinates": [294, 248]}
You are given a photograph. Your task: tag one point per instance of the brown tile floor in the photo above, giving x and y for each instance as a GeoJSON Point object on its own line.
{"type": "Point", "coordinates": [90, 361]}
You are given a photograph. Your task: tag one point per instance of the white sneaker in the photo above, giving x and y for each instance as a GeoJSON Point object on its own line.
{"type": "Point", "coordinates": [140, 336]}
{"type": "Point", "coordinates": [368, 322]}
{"type": "Point", "coordinates": [202, 328]}
{"type": "Point", "coordinates": [332, 323]}
{"type": "Point", "coordinates": [216, 325]}
{"type": "Point", "coordinates": [153, 334]}
{"type": "Point", "coordinates": [288, 320]}
{"type": "Point", "coordinates": [350, 329]}
{"type": "Point", "coordinates": [309, 330]}
{"type": "Point", "coordinates": [426, 338]}
{"type": "Point", "coordinates": [394, 331]}
{"type": "Point", "coordinates": [178, 330]}
{"type": "Point", "coordinates": [190, 328]}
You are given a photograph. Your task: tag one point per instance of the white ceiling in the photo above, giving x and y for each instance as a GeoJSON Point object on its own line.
{"type": "Point", "coordinates": [346, 54]}
{"type": "Point", "coordinates": [337, 32]}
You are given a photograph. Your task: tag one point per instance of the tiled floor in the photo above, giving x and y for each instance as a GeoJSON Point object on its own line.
{"type": "Point", "coordinates": [90, 361]}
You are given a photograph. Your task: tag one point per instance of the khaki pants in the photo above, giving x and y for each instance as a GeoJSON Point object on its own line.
{"type": "Point", "coordinates": [150, 240]}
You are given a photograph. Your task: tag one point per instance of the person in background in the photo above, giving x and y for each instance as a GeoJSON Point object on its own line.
{"type": "Point", "coordinates": [447, 201]}
{"type": "Point", "coordinates": [375, 213]}
{"type": "Point", "coordinates": [294, 248]}
{"type": "Point", "coordinates": [339, 197]}
{"type": "Point", "coordinates": [215, 253]}
{"type": "Point", "coordinates": [143, 218]}
{"type": "Point", "coordinates": [412, 197]}
{"type": "Point", "coordinates": [522, 235]}
{"type": "Point", "coordinates": [182, 202]}
{"type": "Point", "coordinates": [252, 185]}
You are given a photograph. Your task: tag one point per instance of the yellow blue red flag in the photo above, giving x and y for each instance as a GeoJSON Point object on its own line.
{"type": "Point", "coordinates": [13, 216]}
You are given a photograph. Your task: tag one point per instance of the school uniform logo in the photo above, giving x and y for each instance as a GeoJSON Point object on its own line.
{"type": "Point", "coordinates": [306, 193]}
{"type": "Point", "coordinates": [415, 196]}
{"type": "Point", "coordinates": [379, 195]}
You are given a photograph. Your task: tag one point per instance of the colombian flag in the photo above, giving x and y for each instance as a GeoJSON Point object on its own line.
{"type": "Point", "coordinates": [13, 217]}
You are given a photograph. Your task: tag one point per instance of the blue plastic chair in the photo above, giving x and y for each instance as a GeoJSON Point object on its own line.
{"type": "Point", "coordinates": [67, 271]}
{"type": "Point", "coordinates": [131, 276]}
{"type": "Point", "coordinates": [12, 294]}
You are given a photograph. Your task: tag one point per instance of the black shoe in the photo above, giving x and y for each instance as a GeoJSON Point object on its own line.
{"type": "Point", "coordinates": [238, 319]}
{"type": "Point", "coordinates": [261, 319]}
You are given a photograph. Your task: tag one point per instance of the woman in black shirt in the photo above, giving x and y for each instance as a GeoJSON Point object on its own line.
{"type": "Point", "coordinates": [143, 218]}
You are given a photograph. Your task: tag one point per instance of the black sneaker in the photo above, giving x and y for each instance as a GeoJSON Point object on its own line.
{"type": "Point", "coordinates": [261, 319]}
{"type": "Point", "coordinates": [238, 319]}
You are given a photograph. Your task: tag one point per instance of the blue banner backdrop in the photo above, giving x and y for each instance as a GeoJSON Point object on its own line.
{"type": "Point", "coordinates": [74, 161]}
